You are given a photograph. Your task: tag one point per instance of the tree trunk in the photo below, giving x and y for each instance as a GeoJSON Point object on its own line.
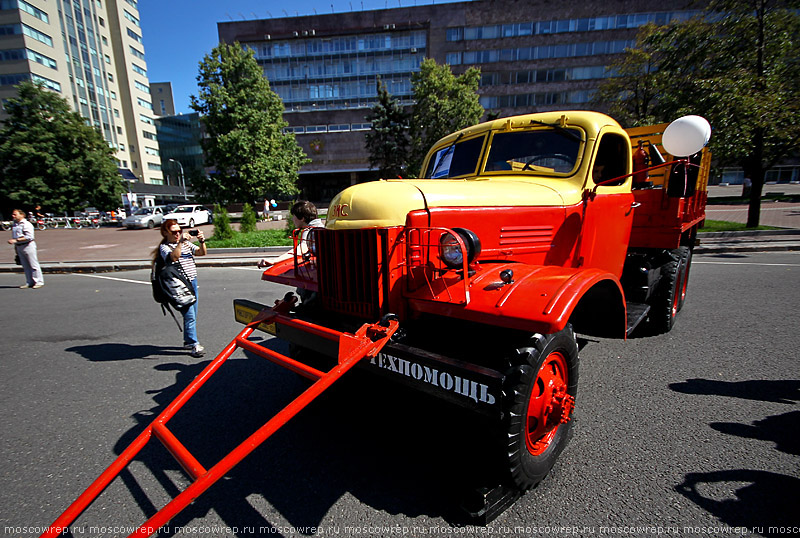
{"type": "Point", "coordinates": [754, 209]}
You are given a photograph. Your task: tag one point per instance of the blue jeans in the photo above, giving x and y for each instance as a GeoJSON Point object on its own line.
{"type": "Point", "coordinates": [190, 320]}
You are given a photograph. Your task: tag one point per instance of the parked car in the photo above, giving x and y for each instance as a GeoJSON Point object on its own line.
{"type": "Point", "coordinates": [145, 217]}
{"type": "Point", "coordinates": [191, 215]}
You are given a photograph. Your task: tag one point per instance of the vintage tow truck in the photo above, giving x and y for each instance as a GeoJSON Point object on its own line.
{"type": "Point", "coordinates": [471, 284]}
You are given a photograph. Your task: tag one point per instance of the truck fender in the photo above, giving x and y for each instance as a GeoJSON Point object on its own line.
{"type": "Point", "coordinates": [542, 299]}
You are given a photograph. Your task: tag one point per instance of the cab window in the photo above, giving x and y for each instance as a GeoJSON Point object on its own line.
{"type": "Point", "coordinates": [611, 160]}
{"type": "Point", "coordinates": [459, 159]}
{"type": "Point", "coordinates": [541, 150]}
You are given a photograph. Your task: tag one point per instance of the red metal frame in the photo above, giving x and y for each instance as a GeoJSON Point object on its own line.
{"type": "Point", "coordinates": [365, 343]}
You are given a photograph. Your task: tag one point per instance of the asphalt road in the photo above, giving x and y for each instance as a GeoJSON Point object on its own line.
{"type": "Point", "coordinates": [693, 433]}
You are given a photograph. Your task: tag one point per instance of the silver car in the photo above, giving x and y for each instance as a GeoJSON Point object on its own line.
{"type": "Point", "coordinates": [145, 217]}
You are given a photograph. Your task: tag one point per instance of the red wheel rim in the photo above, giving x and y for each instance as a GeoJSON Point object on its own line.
{"type": "Point", "coordinates": [549, 405]}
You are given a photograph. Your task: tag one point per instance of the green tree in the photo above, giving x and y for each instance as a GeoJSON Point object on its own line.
{"type": "Point", "coordinates": [388, 142]}
{"type": "Point", "coordinates": [737, 66]}
{"type": "Point", "coordinates": [243, 117]}
{"type": "Point", "coordinates": [50, 156]}
{"type": "Point", "coordinates": [248, 222]}
{"type": "Point", "coordinates": [443, 103]}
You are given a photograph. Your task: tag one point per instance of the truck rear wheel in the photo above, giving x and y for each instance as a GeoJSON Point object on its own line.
{"type": "Point", "coordinates": [670, 292]}
{"type": "Point", "coordinates": [539, 396]}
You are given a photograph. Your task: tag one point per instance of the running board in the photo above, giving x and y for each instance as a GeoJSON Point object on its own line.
{"type": "Point", "coordinates": [365, 343]}
{"type": "Point", "coordinates": [637, 313]}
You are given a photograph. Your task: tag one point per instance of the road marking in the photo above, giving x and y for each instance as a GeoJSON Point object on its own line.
{"type": "Point", "coordinates": [113, 278]}
{"type": "Point", "coordinates": [694, 261]}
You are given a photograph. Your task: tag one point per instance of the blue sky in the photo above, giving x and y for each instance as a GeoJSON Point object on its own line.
{"type": "Point", "coordinates": [179, 33]}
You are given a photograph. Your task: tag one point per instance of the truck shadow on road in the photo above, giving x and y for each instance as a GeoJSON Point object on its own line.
{"type": "Point", "coordinates": [394, 451]}
{"type": "Point", "coordinates": [765, 499]}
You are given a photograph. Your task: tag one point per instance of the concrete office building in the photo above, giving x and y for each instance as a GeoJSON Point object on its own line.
{"type": "Point", "coordinates": [534, 55]}
{"type": "Point", "coordinates": [91, 53]}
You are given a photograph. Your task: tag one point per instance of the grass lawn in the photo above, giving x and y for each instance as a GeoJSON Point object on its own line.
{"type": "Point", "coordinates": [725, 226]}
{"type": "Point", "coordinates": [261, 238]}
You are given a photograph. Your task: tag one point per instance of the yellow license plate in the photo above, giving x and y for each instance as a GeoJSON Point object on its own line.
{"type": "Point", "coordinates": [245, 311]}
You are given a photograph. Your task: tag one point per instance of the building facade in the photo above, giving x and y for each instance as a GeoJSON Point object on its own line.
{"type": "Point", "coordinates": [163, 101]}
{"type": "Point", "coordinates": [534, 55]}
{"type": "Point", "coordinates": [91, 53]}
{"type": "Point", "coordinates": [180, 139]}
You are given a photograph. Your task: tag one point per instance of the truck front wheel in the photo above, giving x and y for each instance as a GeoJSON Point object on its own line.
{"type": "Point", "coordinates": [539, 397]}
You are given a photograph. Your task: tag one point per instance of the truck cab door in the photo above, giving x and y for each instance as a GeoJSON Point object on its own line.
{"type": "Point", "coordinates": [608, 207]}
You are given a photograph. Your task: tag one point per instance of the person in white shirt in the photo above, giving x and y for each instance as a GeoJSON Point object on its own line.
{"type": "Point", "coordinates": [22, 237]}
{"type": "Point", "coordinates": [304, 215]}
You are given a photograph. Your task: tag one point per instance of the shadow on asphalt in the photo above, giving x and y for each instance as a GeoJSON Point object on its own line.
{"type": "Point", "coordinates": [124, 352]}
{"type": "Point", "coordinates": [395, 451]}
{"type": "Point", "coordinates": [763, 499]}
{"type": "Point", "coordinates": [781, 391]}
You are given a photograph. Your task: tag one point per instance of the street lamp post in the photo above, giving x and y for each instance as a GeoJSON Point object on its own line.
{"type": "Point", "coordinates": [183, 183]}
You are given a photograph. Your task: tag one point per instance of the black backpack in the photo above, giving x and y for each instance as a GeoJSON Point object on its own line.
{"type": "Point", "coordinates": [171, 287]}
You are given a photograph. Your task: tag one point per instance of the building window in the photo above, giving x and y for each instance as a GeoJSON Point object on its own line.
{"type": "Point", "coordinates": [37, 35]}
{"type": "Point", "coordinates": [138, 69]}
{"type": "Point", "coordinates": [130, 17]}
{"type": "Point", "coordinates": [31, 10]}
{"type": "Point", "coordinates": [133, 35]}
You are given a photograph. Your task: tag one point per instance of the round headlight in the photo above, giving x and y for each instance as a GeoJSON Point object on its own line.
{"type": "Point", "coordinates": [450, 251]}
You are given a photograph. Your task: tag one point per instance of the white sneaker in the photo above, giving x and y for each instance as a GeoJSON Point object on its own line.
{"type": "Point", "coordinates": [37, 286]}
{"type": "Point", "coordinates": [198, 351]}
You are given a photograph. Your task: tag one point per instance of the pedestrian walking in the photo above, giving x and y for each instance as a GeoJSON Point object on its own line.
{"type": "Point", "coordinates": [176, 247]}
{"type": "Point", "coordinates": [23, 239]}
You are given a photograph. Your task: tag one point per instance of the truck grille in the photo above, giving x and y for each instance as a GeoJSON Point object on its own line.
{"type": "Point", "coordinates": [350, 269]}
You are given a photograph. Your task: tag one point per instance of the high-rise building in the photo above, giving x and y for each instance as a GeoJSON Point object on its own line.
{"type": "Point", "coordinates": [534, 55]}
{"type": "Point", "coordinates": [163, 100]}
{"type": "Point", "coordinates": [91, 53]}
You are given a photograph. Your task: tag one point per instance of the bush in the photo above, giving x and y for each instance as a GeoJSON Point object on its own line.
{"type": "Point", "coordinates": [222, 224]}
{"type": "Point", "coordinates": [248, 222]}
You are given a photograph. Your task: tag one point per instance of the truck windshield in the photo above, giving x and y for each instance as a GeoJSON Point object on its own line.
{"type": "Point", "coordinates": [459, 159]}
{"type": "Point", "coordinates": [540, 150]}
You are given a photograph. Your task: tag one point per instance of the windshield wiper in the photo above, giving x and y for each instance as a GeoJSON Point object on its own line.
{"type": "Point", "coordinates": [569, 133]}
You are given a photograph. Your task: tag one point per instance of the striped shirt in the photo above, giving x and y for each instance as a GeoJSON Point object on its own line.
{"type": "Point", "coordinates": [186, 260]}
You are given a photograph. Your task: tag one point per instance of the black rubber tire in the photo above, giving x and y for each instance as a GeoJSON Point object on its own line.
{"type": "Point", "coordinates": [686, 265]}
{"type": "Point", "coordinates": [526, 469]}
{"type": "Point", "coordinates": [151, 224]}
{"type": "Point", "coordinates": [664, 303]}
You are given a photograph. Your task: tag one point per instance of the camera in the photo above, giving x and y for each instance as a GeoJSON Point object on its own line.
{"type": "Point", "coordinates": [194, 233]}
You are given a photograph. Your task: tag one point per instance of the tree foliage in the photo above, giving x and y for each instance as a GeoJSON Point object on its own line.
{"type": "Point", "coordinates": [443, 103]}
{"type": "Point", "coordinates": [736, 65]}
{"type": "Point", "coordinates": [388, 141]}
{"type": "Point", "coordinates": [50, 156]}
{"type": "Point", "coordinates": [243, 117]}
